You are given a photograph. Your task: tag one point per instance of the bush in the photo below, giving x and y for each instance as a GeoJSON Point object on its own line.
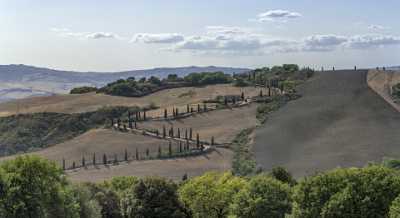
{"type": "Point", "coordinates": [394, 211]}
{"type": "Point", "coordinates": [211, 194]}
{"type": "Point", "coordinates": [83, 89]}
{"type": "Point", "coordinates": [154, 197]}
{"type": "Point", "coordinates": [353, 192]}
{"type": "Point", "coordinates": [283, 175]}
{"type": "Point", "coordinates": [263, 196]}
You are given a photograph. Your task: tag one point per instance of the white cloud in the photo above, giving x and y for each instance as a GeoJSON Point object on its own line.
{"type": "Point", "coordinates": [85, 35]}
{"type": "Point", "coordinates": [225, 30]}
{"type": "Point", "coordinates": [277, 15]}
{"type": "Point", "coordinates": [101, 35]}
{"type": "Point", "coordinates": [372, 41]}
{"type": "Point", "coordinates": [377, 27]}
{"type": "Point", "coordinates": [158, 38]}
{"type": "Point", "coordinates": [323, 42]}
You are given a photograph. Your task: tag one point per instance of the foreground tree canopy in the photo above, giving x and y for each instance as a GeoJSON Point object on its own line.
{"type": "Point", "coordinates": [36, 188]}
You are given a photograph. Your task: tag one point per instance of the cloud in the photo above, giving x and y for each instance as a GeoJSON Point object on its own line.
{"type": "Point", "coordinates": [377, 27]}
{"type": "Point", "coordinates": [323, 42]}
{"type": "Point", "coordinates": [85, 35]}
{"type": "Point", "coordinates": [225, 30]}
{"type": "Point", "coordinates": [158, 38]}
{"type": "Point", "coordinates": [277, 15]}
{"type": "Point", "coordinates": [372, 41]}
{"type": "Point", "coordinates": [101, 35]}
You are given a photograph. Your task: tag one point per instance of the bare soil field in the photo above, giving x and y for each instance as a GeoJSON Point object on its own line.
{"type": "Point", "coordinates": [224, 124]}
{"type": "Point", "coordinates": [339, 122]}
{"type": "Point", "coordinates": [218, 160]}
{"type": "Point", "coordinates": [89, 102]}
{"type": "Point", "coordinates": [382, 81]}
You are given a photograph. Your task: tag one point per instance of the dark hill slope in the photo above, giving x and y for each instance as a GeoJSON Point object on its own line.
{"type": "Point", "coordinates": [339, 121]}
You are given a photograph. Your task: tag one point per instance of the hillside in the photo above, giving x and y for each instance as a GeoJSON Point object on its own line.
{"type": "Point", "coordinates": [91, 101]}
{"type": "Point", "coordinates": [339, 121]}
{"type": "Point", "coordinates": [19, 81]}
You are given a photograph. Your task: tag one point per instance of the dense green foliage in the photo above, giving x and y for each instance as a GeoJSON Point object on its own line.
{"type": "Point", "coordinates": [353, 192]}
{"type": "Point", "coordinates": [211, 194]}
{"type": "Point", "coordinates": [83, 89]}
{"type": "Point", "coordinates": [26, 132]}
{"type": "Point", "coordinates": [31, 187]}
{"type": "Point", "coordinates": [132, 88]}
{"type": "Point", "coordinates": [262, 196]}
{"type": "Point", "coordinates": [36, 188]}
{"type": "Point", "coordinates": [281, 74]}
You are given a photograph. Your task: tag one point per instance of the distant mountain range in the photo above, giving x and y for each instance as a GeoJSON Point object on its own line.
{"type": "Point", "coordinates": [21, 81]}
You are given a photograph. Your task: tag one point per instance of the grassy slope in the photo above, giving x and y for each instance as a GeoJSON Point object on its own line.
{"type": "Point", "coordinates": [26, 132]}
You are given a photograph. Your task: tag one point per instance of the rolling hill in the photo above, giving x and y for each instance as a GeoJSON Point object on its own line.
{"type": "Point", "coordinates": [20, 81]}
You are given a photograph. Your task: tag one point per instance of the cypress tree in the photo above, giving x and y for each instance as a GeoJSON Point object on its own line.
{"type": "Point", "coordinates": [190, 133]}
{"type": "Point", "coordinates": [137, 154]}
{"type": "Point", "coordinates": [144, 114]}
{"type": "Point", "coordinates": [104, 159]}
{"type": "Point", "coordinates": [355, 67]}
{"type": "Point", "coordinates": [63, 164]}
{"type": "Point", "coordinates": [140, 115]}
{"type": "Point", "coordinates": [130, 123]}
{"type": "Point", "coordinates": [333, 68]}
{"type": "Point", "coordinates": [126, 155]}
{"type": "Point", "coordinates": [170, 148]}
{"type": "Point", "coordinates": [83, 161]}
{"type": "Point", "coordinates": [164, 132]}
{"type": "Point", "coordinates": [269, 90]}
{"type": "Point", "coordinates": [172, 131]}
{"type": "Point", "coordinates": [165, 113]}
{"type": "Point", "coordinates": [197, 140]}
{"type": "Point", "coordinates": [94, 159]}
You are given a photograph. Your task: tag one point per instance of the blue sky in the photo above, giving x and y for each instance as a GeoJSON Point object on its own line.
{"type": "Point", "coordinates": [119, 35]}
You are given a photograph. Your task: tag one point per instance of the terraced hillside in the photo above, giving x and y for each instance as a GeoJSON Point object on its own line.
{"type": "Point", "coordinates": [339, 121]}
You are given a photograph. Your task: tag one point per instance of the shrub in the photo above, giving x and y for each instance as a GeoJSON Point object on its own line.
{"type": "Point", "coordinates": [211, 194]}
{"type": "Point", "coordinates": [353, 192]}
{"type": "Point", "coordinates": [83, 89]}
{"type": "Point", "coordinates": [263, 196]}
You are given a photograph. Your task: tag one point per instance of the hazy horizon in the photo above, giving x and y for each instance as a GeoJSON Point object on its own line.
{"type": "Point", "coordinates": [133, 35]}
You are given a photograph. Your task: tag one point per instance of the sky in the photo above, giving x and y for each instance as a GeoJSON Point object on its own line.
{"type": "Point", "coordinates": [104, 35]}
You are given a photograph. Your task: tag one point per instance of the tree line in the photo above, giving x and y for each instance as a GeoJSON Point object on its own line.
{"type": "Point", "coordinates": [36, 188]}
